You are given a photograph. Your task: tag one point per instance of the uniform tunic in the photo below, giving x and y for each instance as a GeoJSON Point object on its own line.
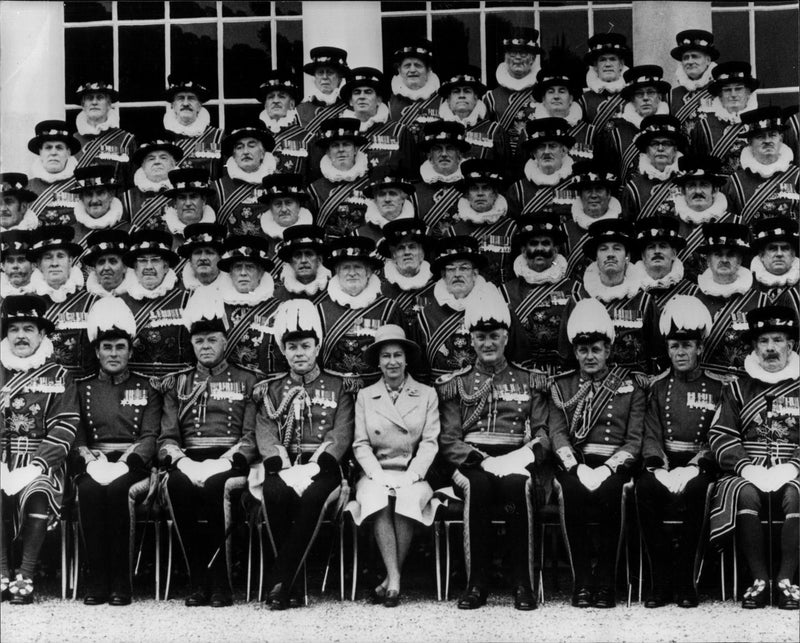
{"type": "Point", "coordinates": [146, 209]}
{"type": "Point", "coordinates": [644, 197]}
{"type": "Point", "coordinates": [615, 146]}
{"type": "Point", "coordinates": [525, 197]}
{"type": "Point", "coordinates": [437, 205]}
{"type": "Point", "coordinates": [599, 108]}
{"type": "Point", "coordinates": [202, 151]}
{"type": "Point", "coordinates": [240, 211]}
{"type": "Point", "coordinates": [339, 206]}
{"type": "Point", "coordinates": [70, 341]}
{"type": "Point", "coordinates": [311, 112]}
{"type": "Point", "coordinates": [250, 340]}
{"type": "Point", "coordinates": [113, 147]}
{"type": "Point", "coordinates": [414, 114]}
{"type": "Point", "coordinates": [495, 243]}
{"type": "Point", "coordinates": [54, 203]}
{"type": "Point", "coordinates": [714, 137]}
{"type": "Point", "coordinates": [511, 109]}
{"type": "Point", "coordinates": [753, 197]}
{"type": "Point", "coordinates": [291, 150]}
{"type": "Point", "coordinates": [684, 104]}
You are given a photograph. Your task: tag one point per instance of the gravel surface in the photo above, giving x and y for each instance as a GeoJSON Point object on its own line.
{"type": "Point", "coordinates": [326, 619]}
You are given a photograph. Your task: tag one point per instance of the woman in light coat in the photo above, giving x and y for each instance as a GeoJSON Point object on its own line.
{"type": "Point", "coordinates": [396, 440]}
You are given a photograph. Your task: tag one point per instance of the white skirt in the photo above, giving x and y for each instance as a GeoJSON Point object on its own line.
{"type": "Point", "coordinates": [415, 501]}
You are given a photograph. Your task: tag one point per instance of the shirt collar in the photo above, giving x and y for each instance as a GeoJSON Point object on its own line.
{"type": "Point", "coordinates": [306, 378]}
{"type": "Point", "coordinates": [119, 378]}
{"type": "Point", "coordinates": [214, 370]}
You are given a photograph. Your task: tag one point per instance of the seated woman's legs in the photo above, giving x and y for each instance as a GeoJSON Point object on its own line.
{"type": "Point", "coordinates": [393, 533]}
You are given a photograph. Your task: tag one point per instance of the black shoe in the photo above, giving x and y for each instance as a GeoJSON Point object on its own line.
{"type": "Point", "coordinates": [220, 598]}
{"type": "Point", "coordinates": [277, 599]}
{"type": "Point", "coordinates": [604, 598]}
{"type": "Point", "coordinates": [197, 599]}
{"type": "Point", "coordinates": [377, 597]}
{"type": "Point", "coordinates": [392, 598]}
{"type": "Point", "coordinates": [788, 595]}
{"type": "Point", "coordinates": [523, 598]}
{"type": "Point", "coordinates": [686, 598]}
{"type": "Point", "coordinates": [5, 581]}
{"type": "Point", "coordinates": [755, 597]}
{"type": "Point", "coordinates": [657, 598]}
{"type": "Point", "coordinates": [582, 597]}
{"type": "Point", "coordinates": [21, 590]}
{"type": "Point", "coordinates": [95, 598]}
{"type": "Point", "coordinates": [472, 599]}
{"type": "Point", "coordinates": [297, 597]}
{"type": "Point", "coordinates": [119, 599]}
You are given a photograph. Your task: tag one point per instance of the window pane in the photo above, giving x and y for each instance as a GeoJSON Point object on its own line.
{"type": "Point", "coordinates": [140, 10]}
{"type": "Point", "coordinates": [290, 47]}
{"type": "Point", "coordinates": [193, 9]}
{"type": "Point", "coordinates": [136, 82]}
{"type": "Point", "coordinates": [88, 56]}
{"type": "Point", "coordinates": [402, 6]}
{"type": "Point", "coordinates": [498, 26]}
{"type": "Point", "coordinates": [241, 9]}
{"type": "Point", "coordinates": [86, 11]}
{"type": "Point", "coordinates": [241, 115]}
{"type": "Point", "coordinates": [730, 38]}
{"type": "Point", "coordinates": [396, 32]}
{"type": "Point", "coordinates": [194, 54]}
{"type": "Point", "coordinates": [729, 3]}
{"type": "Point", "coordinates": [288, 8]}
{"type": "Point", "coordinates": [616, 20]}
{"type": "Point", "coordinates": [783, 99]}
{"type": "Point", "coordinates": [776, 66]}
{"type": "Point", "coordinates": [247, 48]}
{"type": "Point", "coordinates": [564, 29]}
{"type": "Point", "coordinates": [142, 121]}
{"type": "Point", "coordinates": [461, 32]}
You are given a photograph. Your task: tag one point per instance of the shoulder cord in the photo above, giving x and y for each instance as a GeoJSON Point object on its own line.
{"type": "Point", "coordinates": [578, 400]}
{"type": "Point", "coordinates": [476, 399]}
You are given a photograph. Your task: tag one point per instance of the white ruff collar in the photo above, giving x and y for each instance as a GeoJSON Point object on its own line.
{"type": "Point", "coordinates": [13, 363]}
{"type": "Point", "coordinates": [715, 107]}
{"type": "Point", "coordinates": [505, 79]}
{"type": "Point", "coordinates": [275, 231]}
{"type": "Point", "coordinates": [593, 82]}
{"type": "Point", "coordinates": [630, 114]}
{"type": "Point", "coordinates": [583, 220]}
{"type": "Point", "coordinates": [444, 298]}
{"type": "Point", "coordinates": [477, 114]}
{"type": "Point", "coordinates": [789, 372]}
{"type": "Point", "coordinates": [138, 292]}
{"type": "Point", "coordinates": [85, 128]}
{"type": "Point", "coordinates": [267, 167]}
{"type": "Point", "coordinates": [29, 222]}
{"type": "Point", "coordinates": [325, 99]}
{"type": "Point", "coordinates": [275, 125]}
{"type": "Point", "coordinates": [381, 116]}
{"type": "Point", "coordinates": [262, 292]}
{"type": "Point", "coordinates": [420, 280]}
{"type": "Point", "coordinates": [429, 175]}
{"type": "Point", "coordinates": [199, 126]}
{"type": "Point", "coordinates": [176, 226]}
{"type": "Point", "coordinates": [573, 117]}
{"type": "Point", "coordinates": [358, 170]}
{"type": "Point", "coordinates": [6, 289]}
{"type": "Point", "coordinates": [374, 216]}
{"type": "Point", "coordinates": [693, 85]}
{"type": "Point", "coordinates": [191, 282]}
{"type": "Point", "coordinates": [362, 300]}
{"type": "Point", "coordinates": [646, 168]}
{"type": "Point", "coordinates": [290, 282]}
{"type": "Point", "coordinates": [742, 283]}
{"type": "Point", "coordinates": [766, 278]}
{"type": "Point", "coordinates": [537, 177]}
{"type": "Point", "coordinates": [667, 281]}
{"type": "Point", "coordinates": [717, 209]}
{"type": "Point", "coordinates": [108, 220]}
{"type": "Point", "coordinates": [93, 286]}
{"type": "Point", "coordinates": [630, 286]}
{"type": "Point", "coordinates": [493, 215]}
{"type": "Point", "coordinates": [37, 171]}
{"type": "Point", "coordinates": [748, 162]}
{"type": "Point", "coordinates": [58, 295]}
{"type": "Point", "coordinates": [146, 185]}
{"type": "Point", "coordinates": [551, 275]}
{"type": "Point", "coordinates": [430, 87]}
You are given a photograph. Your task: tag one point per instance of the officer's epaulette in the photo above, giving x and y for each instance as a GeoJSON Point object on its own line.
{"type": "Point", "coordinates": [169, 381]}
{"type": "Point", "coordinates": [250, 369]}
{"type": "Point", "coordinates": [725, 378]}
{"type": "Point", "coordinates": [661, 376]}
{"type": "Point", "coordinates": [565, 374]}
{"type": "Point", "coordinates": [85, 377]}
{"type": "Point", "coordinates": [447, 384]}
{"type": "Point", "coordinates": [261, 388]}
{"type": "Point", "coordinates": [537, 380]}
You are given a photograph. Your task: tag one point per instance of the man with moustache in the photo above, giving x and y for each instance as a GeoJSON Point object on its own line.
{"type": "Point", "coordinates": [248, 151]}
{"type": "Point", "coordinates": [154, 159]}
{"type": "Point", "coordinates": [768, 179]}
{"type": "Point", "coordinates": [98, 207]}
{"type": "Point", "coordinates": [328, 67]}
{"type": "Point", "coordinates": [516, 76]}
{"type": "Point", "coordinates": [103, 259]}
{"type": "Point", "coordinates": [189, 196]}
{"type": "Point", "coordinates": [695, 53]}
{"type": "Point", "coordinates": [190, 122]}
{"type": "Point", "coordinates": [202, 249]}
{"type": "Point", "coordinates": [303, 275]}
{"type": "Point", "coordinates": [607, 59]}
{"type": "Point", "coordinates": [776, 267]}
{"type": "Point", "coordinates": [39, 404]}
{"type": "Point", "coordinates": [557, 94]}
{"type": "Point", "coordinates": [51, 173]}
{"type": "Point", "coordinates": [717, 129]}
{"type": "Point", "coordinates": [414, 100]}
{"type": "Point", "coordinates": [754, 437]}
{"type": "Point", "coordinates": [389, 195]}
{"type": "Point", "coordinates": [15, 199]}
{"type": "Point", "coordinates": [15, 267]}
{"type": "Point", "coordinates": [541, 290]}
{"type": "Point", "coordinates": [287, 202]}
{"type": "Point", "coordinates": [660, 143]}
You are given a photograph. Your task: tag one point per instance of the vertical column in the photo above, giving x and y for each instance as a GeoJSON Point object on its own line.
{"type": "Point", "coordinates": [655, 25]}
{"type": "Point", "coordinates": [353, 26]}
{"type": "Point", "coordinates": [31, 75]}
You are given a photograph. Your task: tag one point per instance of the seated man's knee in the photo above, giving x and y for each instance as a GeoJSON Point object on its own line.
{"type": "Point", "coordinates": [749, 499]}
{"type": "Point", "coordinates": [790, 502]}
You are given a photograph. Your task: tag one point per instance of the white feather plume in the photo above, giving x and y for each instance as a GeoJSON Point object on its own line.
{"type": "Point", "coordinates": [486, 305]}
{"type": "Point", "coordinates": [686, 313]}
{"type": "Point", "coordinates": [296, 315]}
{"type": "Point", "coordinates": [108, 313]}
{"type": "Point", "coordinates": [588, 317]}
{"type": "Point", "coordinates": [202, 307]}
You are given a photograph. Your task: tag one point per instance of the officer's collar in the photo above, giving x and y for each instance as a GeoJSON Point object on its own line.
{"type": "Point", "coordinates": [214, 370]}
{"type": "Point", "coordinates": [118, 378]}
{"type": "Point", "coordinates": [597, 377]}
{"type": "Point", "coordinates": [691, 376]}
{"type": "Point", "coordinates": [492, 369]}
{"type": "Point", "coordinates": [306, 378]}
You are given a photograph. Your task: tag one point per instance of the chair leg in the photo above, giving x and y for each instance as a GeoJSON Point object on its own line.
{"type": "Point", "coordinates": [63, 560]}
{"type": "Point", "coordinates": [157, 538]}
{"type": "Point", "coordinates": [641, 566]}
{"type": "Point", "coordinates": [341, 558]}
{"type": "Point", "coordinates": [260, 562]}
{"type": "Point", "coordinates": [169, 559]}
{"type": "Point", "coordinates": [447, 561]}
{"type": "Point", "coordinates": [249, 563]}
{"type": "Point", "coordinates": [305, 584]}
{"type": "Point", "coordinates": [437, 527]}
{"type": "Point", "coordinates": [540, 596]}
{"type": "Point", "coordinates": [722, 573]}
{"type": "Point", "coordinates": [735, 571]}
{"type": "Point", "coordinates": [355, 562]}
{"type": "Point", "coordinates": [75, 561]}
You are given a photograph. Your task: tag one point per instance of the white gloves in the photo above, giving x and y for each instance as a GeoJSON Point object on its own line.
{"type": "Point", "coordinates": [676, 480]}
{"type": "Point", "coordinates": [513, 462]}
{"type": "Point", "coordinates": [394, 479]}
{"type": "Point", "coordinates": [759, 476]}
{"type": "Point", "coordinates": [298, 477]}
{"type": "Point", "coordinates": [592, 478]}
{"type": "Point", "coordinates": [17, 479]}
{"type": "Point", "coordinates": [780, 474]}
{"type": "Point", "coordinates": [199, 472]}
{"type": "Point", "coordinates": [104, 472]}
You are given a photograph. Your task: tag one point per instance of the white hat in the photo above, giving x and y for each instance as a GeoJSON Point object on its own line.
{"type": "Point", "coordinates": [205, 315]}
{"type": "Point", "coordinates": [299, 318]}
{"type": "Point", "coordinates": [590, 322]}
{"type": "Point", "coordinates": [685, 317]}
{"type": "Point", "coordinates": [487, 310]}
{"type": "Point", "coordinates": [110, 317]}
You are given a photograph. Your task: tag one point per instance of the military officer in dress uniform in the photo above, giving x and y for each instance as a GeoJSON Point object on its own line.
{"type": "Point", "coordinates": [15, 267]}
{"type": "Point", "coordinates": [678, 463]}
{"type": "Point", "coordinates": [104, 262]}
{"type": "Point", "coordinates": [389, 198]}
{"type": "Point", "coordinates": [102, 141]}
{"type": "Point", "coordinates": [303, 274]}
{"type": "Point", "coordinates": [768, 179]}
{"type": "Point", "coordinates": [755, 438]}
{"type": "Point", "coordinates": [776, 267]}
{"type": "Point", "coordinates": [489, 412]}
{"type": "Point", "coordinates": [51, 174]}
{"type": "Point", "coordinates": [695, 53]}
{"type": "Point", "coordinates": [607, 59]}
{"type": "Point", "coordinates": [287, 202]}
{"type": "Point", "coordinates": [596, 416]}
{"type": "Point", "coordinates": [116, 440]}
{"type": "Point", "coordinates": [97, 207]}
{"type": "Point", "coordinates": [415, 98]}
{"type": "Point", "coordinates": [328, 68]}
{"type": "Point", "coordinates": [207, 437]}
{"type": "Point", "coordinates": [190, 122]}
{"type": "Point", "coordinates": [304, 427]}
{"type": "Point", "coordinates": [15, 199]}
{"type": "Point", "coordinates": [40, 416]}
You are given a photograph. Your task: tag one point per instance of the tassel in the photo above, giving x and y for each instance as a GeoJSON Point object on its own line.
{"type": "Point", "coordinates": [352, 383]}
{"type": "Point", "coordinates": [447, 388]}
